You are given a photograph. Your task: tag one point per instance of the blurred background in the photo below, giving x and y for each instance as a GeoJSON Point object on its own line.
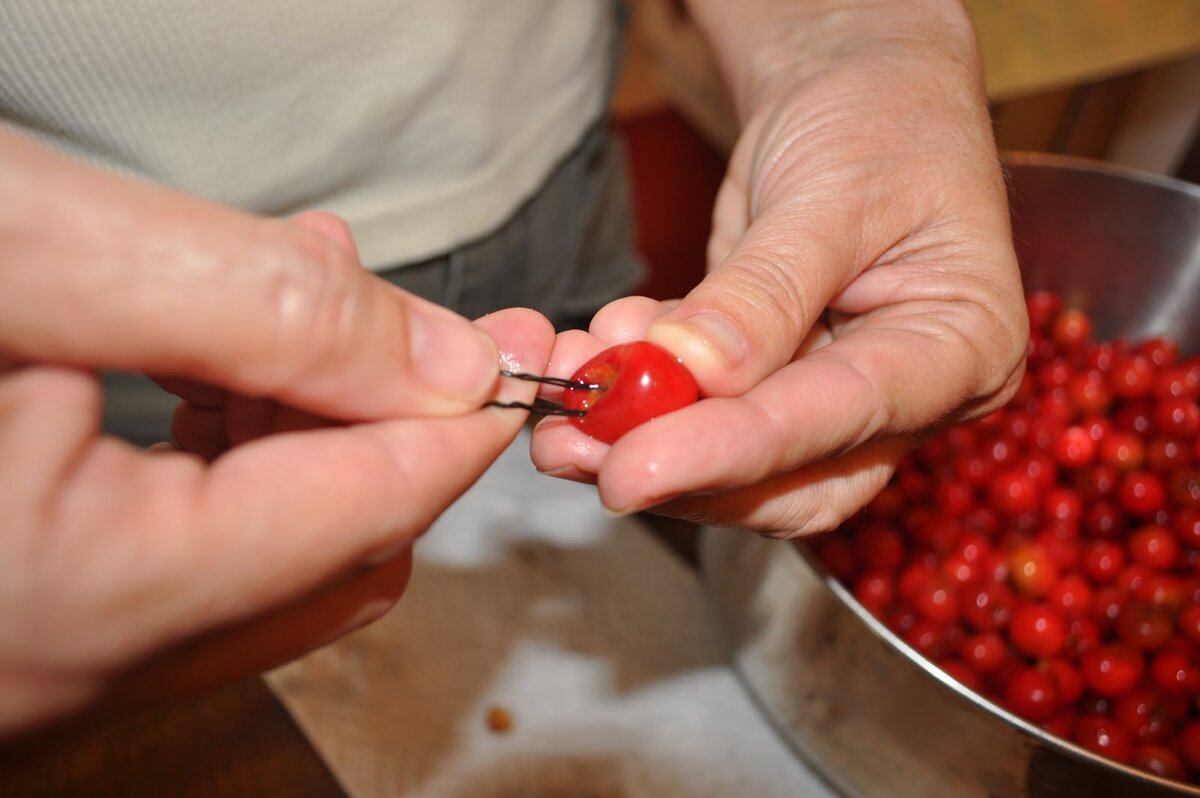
{"type": "Point", "coordinates": [1113, 80]}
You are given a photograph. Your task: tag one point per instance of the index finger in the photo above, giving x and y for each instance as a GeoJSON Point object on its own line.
{"type": "Point", "coordinates": [107, 272]}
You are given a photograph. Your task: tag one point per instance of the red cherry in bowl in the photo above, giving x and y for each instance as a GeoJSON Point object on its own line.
{"type": "Point", "coordinates": [632, 383]}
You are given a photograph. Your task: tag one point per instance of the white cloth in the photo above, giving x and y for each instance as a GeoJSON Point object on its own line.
{"type": "Point", "coordinates": [596, 639]}
{"type": "Point", "coordinates": [424, 123]}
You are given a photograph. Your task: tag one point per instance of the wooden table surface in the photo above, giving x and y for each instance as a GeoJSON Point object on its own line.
{"type": "Point", "coordinates": [232, 741]}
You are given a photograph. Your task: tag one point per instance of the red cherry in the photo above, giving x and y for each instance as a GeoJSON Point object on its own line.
{"type": "Point", "coordinates": [988, 607]}
{"type": "Point", "coordinates": [836, 553]}
{"type": "Point", "coordinates": [984, 652]}
{"type": "Point", "coordinates": [1104, 736]}
{"type": "Point", "coordinates": [1135, 417]}
{"type": "Point", "coordinates": [1183, 486]}
{"type": "Point", "coordinates": [1162, 352]}
{"type": "Point", "coordinates": [637, 382]}
{"type": "Point", "coordinates": [1063, 505]}
{"type": "Point", "coordinates": [1083, 634]}
{"type": "Point", "coordinates": [1103, 561]}
{"type": "Point", "coordinates": [1154, 546]}
{"type": "Point", "coordinates": [1032, 570]}
{"type": "Point", "coordinates": [1112, 670]}
{"type": "Point", "coordinates": [1166, 454]}
{"type": "Point", "coordinates": [1143, 712]}
{"type": "Point", "coordinates": [1103, 520]}
{"type": "Point", "coordinates": [1179, 417]}
{"type": "Point", "coordinates": [1071, 595]}
{"type": "Point", "coordinates": [1071, 329]}
{"type": "Point", "coordinates": [1108, 605]}
{"type": "Point", "coordinates": [959, 570]}
{"type": "Point", "coordinates": [954, 498]}
{"type": "Point", "coordinates": [1132, 377]}
{"type": "Point", "coordinates": [936, 600]}
{"type": "Point", "coordinates": [961, 672]}
{"type": "Point", "coordinates": [1186, 525]}
{"type": "Point", "coordinates": [1013, 492]}
{"type": "Point", "coordinates": [1068, 680]}
{"type": "Point", "coordinates": [1123, 451]}
{"type": "Point", "coordinates": [1189, 623]}
{"type": "Point", "coordinates": [1074, 448]}
{"type": "Point", "coordinates": [1097, 482]}
{"type": "Point", "coordinates": [1165, 591]}
{"type": "Point", "coordinates": [1089, 392]}
{"type": "Point", "coordinates": [880, 548]}
{"type": "Point", "coordinates": [1032, 694]}
{"type": "Point", "coordinates": [1177, 383]}
{"type": "Point", "coordinates": [1176, 673]}
{"type": "Point", "coordinates": [929, 638]}
{"type": "Point", "coordinates": [886, 505]}
{"type": "Point", "coordinates": [1043, 307]}
{"type": "Point", "coordinates": [1144, 626]}
{"type": "Point", "coordinates": [1054, 374]}
{"type": "Point", "coordinates": [912, 578]}
{"type": "Point", "coordinates": [1062, 542]}
{"type": "Point", "coordinates": [1159, 760]}
{"type": "Point", "coordinates": [875, 591]}
{"type": "Point", "coordinates": [1038, 630]}
{"type": "Point", "coordinates": [1142, 493]}
{"type": "Point", "coordinates": [1062, 724]}
{"type": "Point", "coordinates": [1189, 743]}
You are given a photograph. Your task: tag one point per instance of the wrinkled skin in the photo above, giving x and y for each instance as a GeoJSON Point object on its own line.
{"type": "Point", "coordinates": [862, 286]}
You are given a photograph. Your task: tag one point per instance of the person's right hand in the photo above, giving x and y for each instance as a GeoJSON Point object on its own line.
{"type": "Point", "coordinates": [109, 554]}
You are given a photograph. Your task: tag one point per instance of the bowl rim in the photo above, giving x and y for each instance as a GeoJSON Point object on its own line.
{"type": "Point", "coordinates": [1075, 163]}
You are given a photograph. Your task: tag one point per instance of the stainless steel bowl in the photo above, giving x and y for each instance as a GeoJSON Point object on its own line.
{"type": "Point", "coordinates": [862, 706]}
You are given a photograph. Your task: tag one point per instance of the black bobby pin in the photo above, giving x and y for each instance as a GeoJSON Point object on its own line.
{"type": "Point", "coordinates": [542, 407]}
{"type": "Point", "coordinates": [556, 381]}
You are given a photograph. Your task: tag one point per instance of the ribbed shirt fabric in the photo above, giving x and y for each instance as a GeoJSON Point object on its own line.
{"type": "Point", "coordinates": [423, 123]}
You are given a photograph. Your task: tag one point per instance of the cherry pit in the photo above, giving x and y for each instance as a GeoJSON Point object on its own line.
{"type": "Point", "coordinates": [1047, 555]}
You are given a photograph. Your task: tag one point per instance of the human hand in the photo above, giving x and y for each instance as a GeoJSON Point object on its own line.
{"type": "Point", "coordinates": [110, 555]}
{"type": "Point", "coordinates": [862, 284]}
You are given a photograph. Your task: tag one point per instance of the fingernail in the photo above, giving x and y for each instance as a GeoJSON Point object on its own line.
{"type": "Point", "coordinates": [451, 355]}
{"type": "Point", "coordinates": [708, 338]}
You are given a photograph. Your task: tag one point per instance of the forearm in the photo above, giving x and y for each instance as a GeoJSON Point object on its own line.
{"type": "Point", "coordinates": [762, 46]}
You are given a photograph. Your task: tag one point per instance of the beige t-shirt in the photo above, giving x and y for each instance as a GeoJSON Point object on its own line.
{"type": "Point", "coordinates": [424, 123]}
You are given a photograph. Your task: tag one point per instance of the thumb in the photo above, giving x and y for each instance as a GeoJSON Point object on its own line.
{"type": "Point", "coordinates": [753, 311]}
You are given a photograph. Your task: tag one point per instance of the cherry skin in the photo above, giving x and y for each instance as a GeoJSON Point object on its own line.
{"type": "Point", "coordinates": [1112, 670]}
{"type": "Point", "coordinates": [1033, 695]}
{"type": "Point", "coordinates": [1105, 736]}
{"type": "Point", "coordinates": [637, 381]}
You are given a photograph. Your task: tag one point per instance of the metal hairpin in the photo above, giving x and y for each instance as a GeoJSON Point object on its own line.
{"type": "Point", "coordinates": [541, 406]}
{"type": "Point", "coordinates": [558, 381]}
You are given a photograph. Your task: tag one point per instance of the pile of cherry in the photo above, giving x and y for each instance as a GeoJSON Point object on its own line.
{"type": "Point", "coordinates": [1048, 554]}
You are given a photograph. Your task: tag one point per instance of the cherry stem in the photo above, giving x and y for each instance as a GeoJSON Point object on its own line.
{"type": "Point", "coordinates": [557, 381]}
{"type": "Point", "coordinates": [542, 407]}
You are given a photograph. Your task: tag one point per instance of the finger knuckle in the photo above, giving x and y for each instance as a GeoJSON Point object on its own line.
{"type": "Point", "coordinates": [313, 302]}
{"type": "Point", "coordinates": [774, 288]}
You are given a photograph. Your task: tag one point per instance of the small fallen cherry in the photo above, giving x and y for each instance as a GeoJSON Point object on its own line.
{"type": "Point", "coordinates": [498, 719]}
{"type": "Point", "coordinates": [629, 384]}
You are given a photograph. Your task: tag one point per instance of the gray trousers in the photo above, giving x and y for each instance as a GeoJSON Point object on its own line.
{"type": "Point", "coordinates": [565, 252]}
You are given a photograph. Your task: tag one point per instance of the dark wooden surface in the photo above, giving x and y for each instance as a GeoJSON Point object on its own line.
{"type": "Point", "coordinates": [233, 741]}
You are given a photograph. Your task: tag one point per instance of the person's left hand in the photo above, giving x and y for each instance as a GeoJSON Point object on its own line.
{"type": "Point", "coordinates": [862, 284]}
